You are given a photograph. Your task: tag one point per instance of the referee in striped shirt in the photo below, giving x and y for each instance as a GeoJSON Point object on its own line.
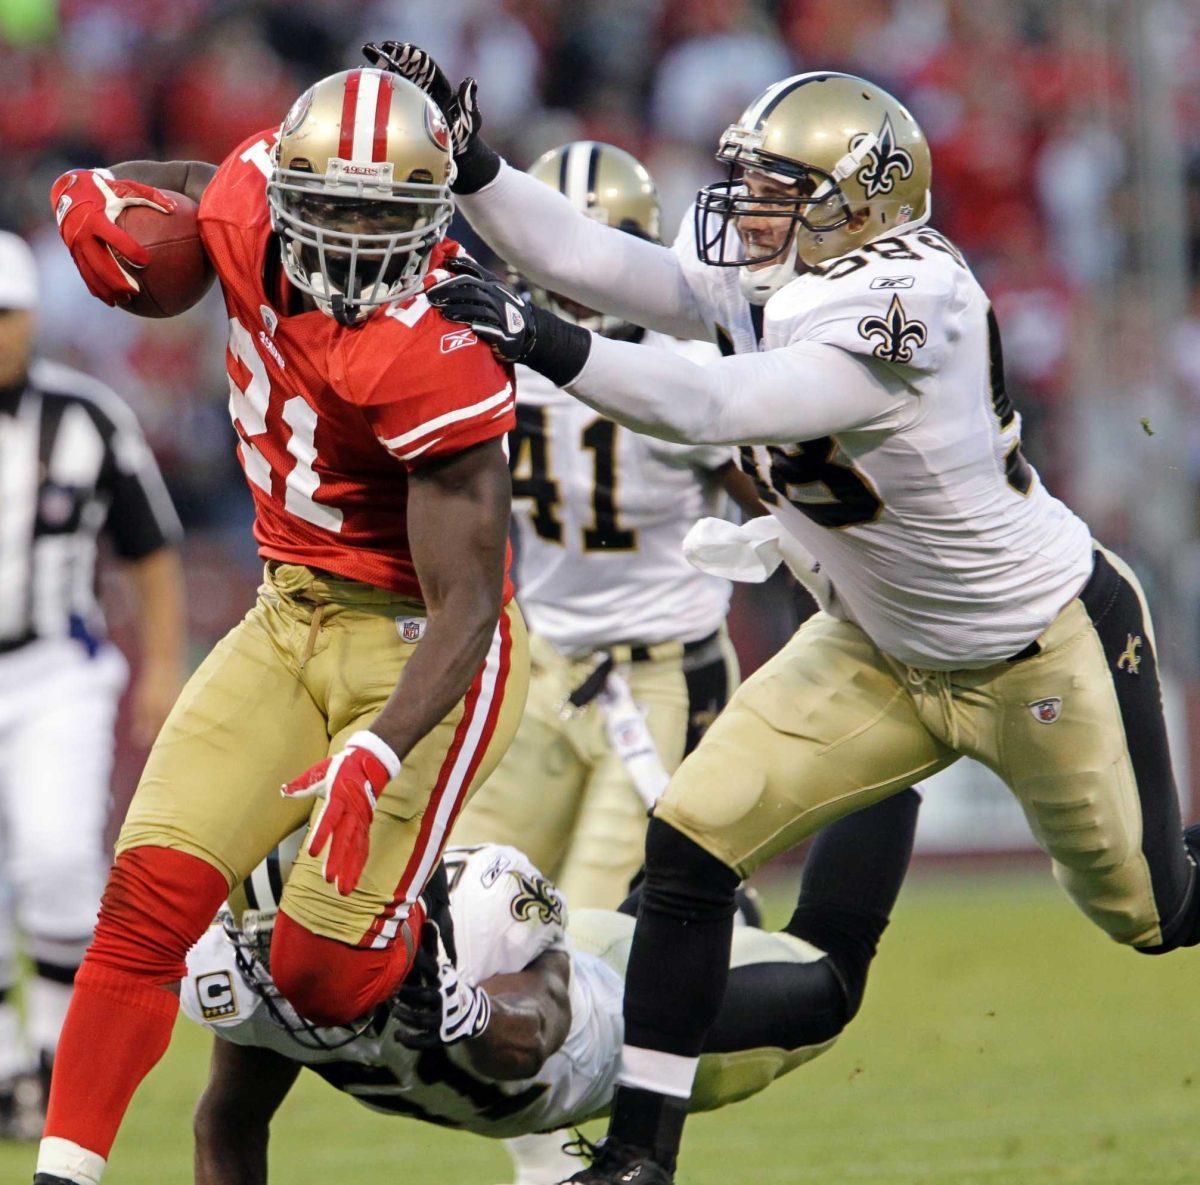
{"type": "Point", "coordinates": [73, 466]}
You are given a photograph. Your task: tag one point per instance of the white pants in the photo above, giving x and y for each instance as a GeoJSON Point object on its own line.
{"type": "Point", "coordinates": [57, 709]}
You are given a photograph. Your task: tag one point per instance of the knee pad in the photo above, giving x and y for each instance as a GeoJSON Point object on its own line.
{"type": "Point", "coordinates": [685, 881]}
{"type": "Point", "coordinates": [156, 905]}
{"type": "Point", "coordinates": [331, 983]}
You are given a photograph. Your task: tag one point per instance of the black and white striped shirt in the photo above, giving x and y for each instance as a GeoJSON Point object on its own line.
{"type": "Point", "coordinates": [73, 463]}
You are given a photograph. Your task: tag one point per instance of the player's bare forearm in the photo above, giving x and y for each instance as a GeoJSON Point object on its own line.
{"type": "Point", "coordinates": [189, 177]}
{"type": "Point", "coordinates": [458, 513]}
{"type": "Point", "coordinates": [233, 1118]}
{"type": "Point", "coordinates": [531, 1016]}
{"type": "Point", "coordinates": [743, 492]}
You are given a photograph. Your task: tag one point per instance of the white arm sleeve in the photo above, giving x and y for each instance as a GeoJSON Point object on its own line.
{"type": "Point", "coordinates": [539, 232]}
{"type": "Point", "coordinates": [799, 392]}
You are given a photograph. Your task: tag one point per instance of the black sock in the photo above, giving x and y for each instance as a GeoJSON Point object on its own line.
{"type": "Point", "coordinates": [676, 976]}
{"type": "Point", "coordinates": [850, 882]}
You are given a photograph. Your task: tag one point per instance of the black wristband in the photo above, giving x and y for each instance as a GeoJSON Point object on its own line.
{"type": "Point", "coordinates": [477, 167]}
{"type": "Point", "coordinates": [560, 350]}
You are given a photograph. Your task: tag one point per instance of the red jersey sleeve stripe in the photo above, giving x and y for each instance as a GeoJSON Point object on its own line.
{"type": "Point", "coordinates": [409, 444]}
{"type": "Point", "coordinates": [383, 108]}
{"type": "Point", "coordinates": [349, 112]}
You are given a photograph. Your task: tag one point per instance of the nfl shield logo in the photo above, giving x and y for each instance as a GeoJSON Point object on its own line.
{"type": "Point", "coordinates": [410, 628]}
{"type": "Point", "coordinates": [1046, 711]}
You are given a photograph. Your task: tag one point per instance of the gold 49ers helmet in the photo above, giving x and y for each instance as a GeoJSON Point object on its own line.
{"type": "Point", "coordinates": [848, 164]}
{"type": "Point", "coordinates": [609, 185]}
{"type": "Point", "coordinates": [359, 191]}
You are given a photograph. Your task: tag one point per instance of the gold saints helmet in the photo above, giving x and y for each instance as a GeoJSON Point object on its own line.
{"type": "Point", "coordinates": [359, 190]}
{"type": "Point", "coordinates": [841, 162]}
{"type": "Point", "coordinates": [609, 185]}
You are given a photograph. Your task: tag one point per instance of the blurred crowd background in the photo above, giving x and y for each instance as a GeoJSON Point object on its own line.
{"type": "Point", "coordinates": [1066, 150]}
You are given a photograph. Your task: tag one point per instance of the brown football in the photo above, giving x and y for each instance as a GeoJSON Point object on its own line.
{"type": "Point", "coordinates": [179, 272]}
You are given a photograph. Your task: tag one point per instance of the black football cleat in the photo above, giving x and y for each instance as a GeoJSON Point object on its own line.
{"type": "Point", "coordinates": [47, 1179]}
{"type": "Point", "coordinates": [614, 1163]}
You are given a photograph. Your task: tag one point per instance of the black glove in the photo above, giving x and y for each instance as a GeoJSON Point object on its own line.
{"type": "Point", "coordinates": [517, 329]}
{"type": "Point", "coordinates": [477, 162]}
{"type": "Point", "coordinates": [417, 1005]}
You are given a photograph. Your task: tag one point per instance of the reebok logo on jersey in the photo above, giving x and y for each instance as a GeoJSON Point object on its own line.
{"type": "Point", "coordinates": [1046, 711]}
{"type": "Point", "coordinates": [458, 339]}
{"type": "Point", "coordinates": [893, 281]}
{"type": "Point", "coordinates": [215, 993]}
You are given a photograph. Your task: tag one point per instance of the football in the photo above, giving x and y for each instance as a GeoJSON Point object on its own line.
{"type": "Point", "coordinates": [179, 272]}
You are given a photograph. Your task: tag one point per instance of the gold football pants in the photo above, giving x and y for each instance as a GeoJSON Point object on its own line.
{"type": "Point", "coordinates": [561, 793]}
{"type": "Point", "coordinates": [313, 661]}
{"type": "Point", "coordinates": [1074, 728]}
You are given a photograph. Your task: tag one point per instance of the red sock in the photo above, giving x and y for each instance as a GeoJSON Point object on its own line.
{"type": "Point", "coordinates": [157, 903]}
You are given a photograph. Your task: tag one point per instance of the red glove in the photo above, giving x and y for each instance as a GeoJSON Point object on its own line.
{"type": "Point", "coordinates": [86, 205]}
{"type": "Point", "coordinates": [350, 782]}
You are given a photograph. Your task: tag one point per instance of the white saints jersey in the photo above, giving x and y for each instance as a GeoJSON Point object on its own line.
{"type": "Point", "coordinates": [939, 538]}
{"type": "Point", "coordinates": [601, 513]}
{"type": "Point", "coordinates": [505, 915]}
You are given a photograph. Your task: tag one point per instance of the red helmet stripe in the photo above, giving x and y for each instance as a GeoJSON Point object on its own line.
{"type": "Point", "coordinates": [349, 108]}
{"type": "Point", "coordinates": [383, 107]}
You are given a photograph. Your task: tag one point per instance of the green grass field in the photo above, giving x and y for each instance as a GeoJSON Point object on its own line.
{"type": "Point", "coordinates": [1003, 1042]}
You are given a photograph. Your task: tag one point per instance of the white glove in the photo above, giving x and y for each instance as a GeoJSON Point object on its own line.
{"type": "Point", "coordinates": [752, 551]}
{"type": "Point", "coordinates": [466, 1009]}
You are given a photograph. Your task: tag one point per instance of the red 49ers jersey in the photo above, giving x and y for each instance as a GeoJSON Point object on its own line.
{"type": "Point", "coordinates": [332, 419]}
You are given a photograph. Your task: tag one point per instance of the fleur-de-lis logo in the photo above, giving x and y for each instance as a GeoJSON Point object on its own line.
{"type": "Point", "coordinates": [898, 336]}
{"type": "Point", "coordinates": [884, 159]}
{"type": "Point", "coordinates": [535, 895]}
{"type": "Point", "coordinates": [1130, 660]}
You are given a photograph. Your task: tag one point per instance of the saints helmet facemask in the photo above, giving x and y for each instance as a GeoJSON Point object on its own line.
{"type": "Point", "coordinates": [840, 163]}
{"type": "Point", "coordinates": [359, 191]}
{"type": "Point", "coordinates": [248, 919]}
{"type": "Point", "coordinates": [608, 185]}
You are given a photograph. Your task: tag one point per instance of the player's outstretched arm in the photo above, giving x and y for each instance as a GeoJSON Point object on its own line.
{"type": "Point", "coordinates": [802, 391]}
{"type": "Point", "coordinates": [530, 1019]}
{"type": "Point", "coordinates": [536, 229]}
{"type": "Point", "coordinates": [233, 1118]}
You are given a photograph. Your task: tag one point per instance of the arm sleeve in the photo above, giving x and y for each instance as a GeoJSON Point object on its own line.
{"type": "Point", "coordinates": [540, 233]}
{"type": "Point", "coordinates": [799, 392]}
{"type": "Point", "coordinates": [141, 517]}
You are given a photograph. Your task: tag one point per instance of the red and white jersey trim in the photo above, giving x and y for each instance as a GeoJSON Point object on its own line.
{"type": "Point", "coordinates": [471, 740]}
{"type": "Point", "coordinates": [425, 435]}
{"type": "Point", "coordinates": [366, 105]}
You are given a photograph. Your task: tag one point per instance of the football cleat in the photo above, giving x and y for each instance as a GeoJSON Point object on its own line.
{"type": "Point", "coordinates": [47, 1179]}
{"type": "Point", "coordinates": [615, 1163]}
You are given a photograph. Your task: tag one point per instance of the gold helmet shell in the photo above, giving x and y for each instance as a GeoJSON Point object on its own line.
{"type": "Point", "coordinates": [854, 157]}
{"type": "Point", "coordinates": [609, 185]}
{"type": "Point", "coordinates": [359, 191]}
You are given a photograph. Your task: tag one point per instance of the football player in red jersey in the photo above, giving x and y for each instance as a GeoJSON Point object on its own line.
{"type": "Point", "coordinates": [384, 652]}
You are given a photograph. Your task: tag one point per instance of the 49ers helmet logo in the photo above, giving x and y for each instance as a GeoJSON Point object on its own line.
{"type": "Point", "coordinates": [297, 115]}
{"type": "Point", "coordinates": [435, 125]}
{"type": "Point", "coordinates": [884, 158]}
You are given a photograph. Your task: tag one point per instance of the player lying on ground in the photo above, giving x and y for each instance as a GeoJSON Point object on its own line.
{"type": "Point", "coordinates": [383, 653]}
{"type": "Point", "coordinates": [542, 1053]}
{"type": "Point", "coordinates": [629, 657]}
{"type": "Point", "coordinates": [974, 613]}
